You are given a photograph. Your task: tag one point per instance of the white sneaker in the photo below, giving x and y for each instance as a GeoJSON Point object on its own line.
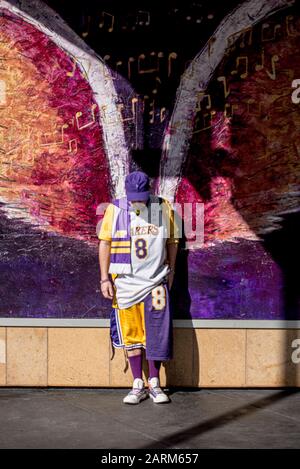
{"type": "Point", "coordinates": [137, 393]}
{"type": "Point", "coordinates": [155, 391]}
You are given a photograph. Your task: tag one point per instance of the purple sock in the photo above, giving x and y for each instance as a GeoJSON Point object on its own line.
{"type": "Point", "coordinates": [154, 366]}
{"type": "Point", "coordinates": [136, 365]}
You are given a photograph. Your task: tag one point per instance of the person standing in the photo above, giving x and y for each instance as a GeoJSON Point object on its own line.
{"type": "Point", "coordinates": [138, 248]}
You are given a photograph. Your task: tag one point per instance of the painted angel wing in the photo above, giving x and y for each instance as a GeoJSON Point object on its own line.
{"type": "Point", "coordinates": [63, 148]}
{"type": "Point", "coordinates": [233, 140]}
{"type": "Point", "coordinates": [232, 145]}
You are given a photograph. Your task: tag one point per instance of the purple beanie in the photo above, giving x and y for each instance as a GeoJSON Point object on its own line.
{"type": "Point", "coordinates": [137, 186]}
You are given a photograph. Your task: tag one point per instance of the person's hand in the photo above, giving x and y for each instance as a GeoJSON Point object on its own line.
{"type": "Point", "coordinates": [107, 290]}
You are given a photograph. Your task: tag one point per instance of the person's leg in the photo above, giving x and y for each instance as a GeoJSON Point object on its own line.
{"type": "Point", "coordinates": [154, 367]}
{"type": "Point", "coordinates": [135, 336]}
{"type": "Point", "coordinates": [133, 340]}
{"type": "Point", "coordinates": [158, 326]}
{"type": "Point", "coordinates": [138, 391]}
{"type": "Point", "coordinates": [135, 358]}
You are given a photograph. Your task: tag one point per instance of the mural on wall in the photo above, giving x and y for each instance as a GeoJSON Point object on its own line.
{"type": "Point", "coordinates": [213, 122]}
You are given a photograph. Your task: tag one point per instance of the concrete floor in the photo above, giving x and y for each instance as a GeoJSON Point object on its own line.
{"type": "Point", "coordinates": [195, 418]}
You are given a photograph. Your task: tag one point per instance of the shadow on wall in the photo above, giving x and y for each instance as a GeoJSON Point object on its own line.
{"type": "Point", "coordinates": [244, 167]}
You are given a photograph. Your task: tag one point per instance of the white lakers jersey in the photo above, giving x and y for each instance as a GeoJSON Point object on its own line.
{"type": "Point", "coordinates": [150, 232]}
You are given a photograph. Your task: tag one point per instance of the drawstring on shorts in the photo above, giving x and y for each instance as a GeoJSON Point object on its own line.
{"type": "Point", "coordinates": [125, 355]}
{"type": "Point", "coordinates": [112, 348]}
{"type": "Point", "coordinates": [126, 359]}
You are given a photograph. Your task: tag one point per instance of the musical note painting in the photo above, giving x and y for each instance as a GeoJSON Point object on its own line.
{"type": "Point", "coordinates": [203, 97]}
